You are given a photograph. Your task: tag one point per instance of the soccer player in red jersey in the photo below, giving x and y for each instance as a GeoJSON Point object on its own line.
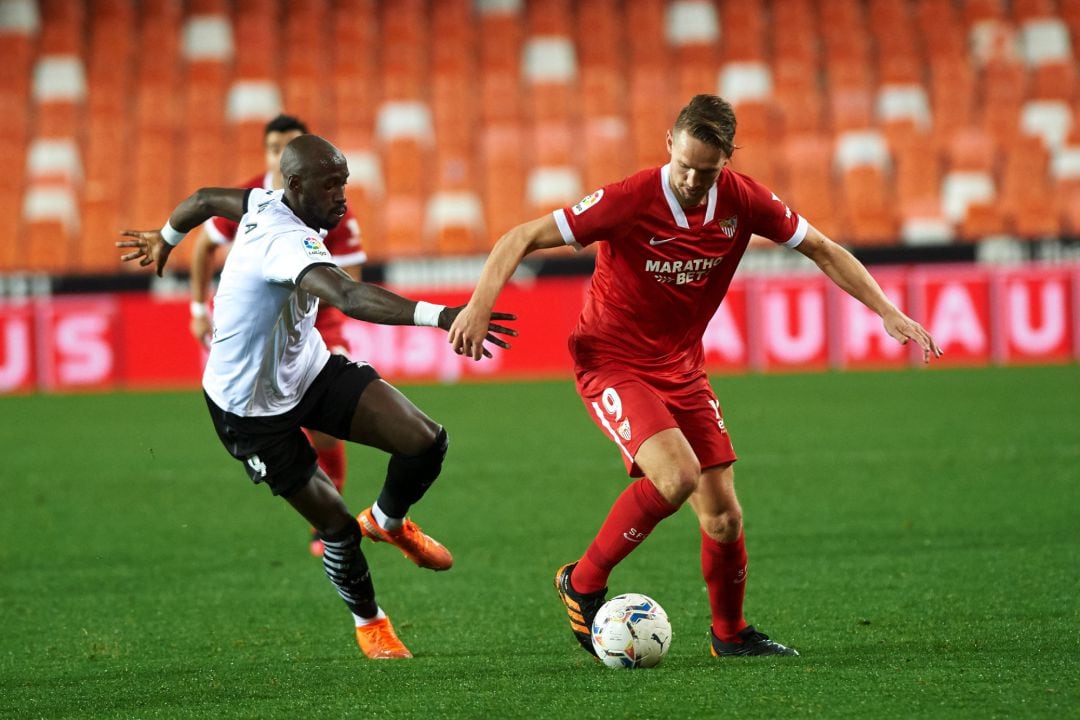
{"type": "Point", "coordinates": [343, 242]}
{"type": "Point", "coordinates": [669, 239]}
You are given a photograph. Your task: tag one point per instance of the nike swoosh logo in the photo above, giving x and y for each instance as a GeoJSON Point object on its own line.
{"type": "Point", "coordinates": [654, 241]}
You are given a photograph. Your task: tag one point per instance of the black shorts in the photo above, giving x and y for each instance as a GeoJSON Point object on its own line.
{"type": "Point", "coordinates": [273, 448]}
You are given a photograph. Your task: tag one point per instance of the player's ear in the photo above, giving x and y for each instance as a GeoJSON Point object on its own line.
{"type": "Point", "coordinates": [293, 183]}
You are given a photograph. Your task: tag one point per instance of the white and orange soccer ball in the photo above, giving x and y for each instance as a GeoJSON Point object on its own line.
{"type": "Point", "coordinates": [631, 631]}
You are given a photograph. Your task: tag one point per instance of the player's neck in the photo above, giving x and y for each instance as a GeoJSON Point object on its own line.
{"type": "Point", "coordinates": [291, 206]}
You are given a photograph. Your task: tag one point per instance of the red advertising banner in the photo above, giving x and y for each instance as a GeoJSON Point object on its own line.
{"type": "Point", "coordinates": [954, 305]}
{"type": "Point", "coordinates": [78, 341]}
{"type": "Point", "coordinates": [861, 340]}
{"type": "Point", "coordinates": [792, 315]}
{"type": "Point", "coordinates": [17, 372]}
{"type": "Point", "coordinates": [771, 323]}
{"type": "Point", "coordinates": [1037, 308]}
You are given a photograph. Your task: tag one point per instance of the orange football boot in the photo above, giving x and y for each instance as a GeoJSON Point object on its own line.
{"type": "Point", "coordinates": [424, 550]}
{"type": "Point", "coordinates": [378, 641]}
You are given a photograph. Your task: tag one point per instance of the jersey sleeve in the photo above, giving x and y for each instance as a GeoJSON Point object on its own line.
{"type": "Point", "coordinates": [345, 243]}
{"type": "Point", "coordinates": [772, 218]}
{"type": "Point", "coordinates": [597, 216]}
{"type": "Point", "coordinates": [291, 254]}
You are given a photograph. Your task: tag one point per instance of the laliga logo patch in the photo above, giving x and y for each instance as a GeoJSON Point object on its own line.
{"type": "Point", "coordinates": [315, 248]}
{"type": "Point", "coordinates": [587, 202]}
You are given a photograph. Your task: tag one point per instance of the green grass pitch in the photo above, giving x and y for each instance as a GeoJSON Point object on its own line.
{"type": "Point", "coordinates": [915, 534]}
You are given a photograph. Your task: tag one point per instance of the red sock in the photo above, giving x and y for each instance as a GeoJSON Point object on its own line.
{"type": "Point", "coordinates": [724, 567]}
{"type": "Point", "coordinates": [332, 461]}
{"type": "Point", "coordinates": [633, 516]}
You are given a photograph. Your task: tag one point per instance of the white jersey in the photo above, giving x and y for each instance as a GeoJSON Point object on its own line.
{"type": "Point", "coordinates": [265, 351]}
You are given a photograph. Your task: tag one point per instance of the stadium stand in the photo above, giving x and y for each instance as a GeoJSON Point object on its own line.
{"type": "Point", "coordinates": [887, 122]}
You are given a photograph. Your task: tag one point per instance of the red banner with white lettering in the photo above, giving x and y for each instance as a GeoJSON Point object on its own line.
{"type": "Point", "coordinates": [768, 323]}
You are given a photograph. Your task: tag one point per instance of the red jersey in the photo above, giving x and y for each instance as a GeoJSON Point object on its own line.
{"type": "Point", "coordinates": [343, 242]}
{"type": "Point", "coordinates": [664, 269]}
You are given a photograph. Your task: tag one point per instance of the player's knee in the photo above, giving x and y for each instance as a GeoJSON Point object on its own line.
{"type": "Point", "coordinates": [420, 439]}
{"type": "Point", "coordinates": [679, 483]}
{"type": "Point", "coordinates": [724, 526]}
{"type": "Point", "coordinates": [426, 463]}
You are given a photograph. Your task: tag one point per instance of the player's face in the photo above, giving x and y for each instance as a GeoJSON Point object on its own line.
{"type": "Point", "coordinates": [274, 144]}
{"type": "Point", "coordinates": [322, 197]}
{"type": "Point", "coordinates": [695, 166]}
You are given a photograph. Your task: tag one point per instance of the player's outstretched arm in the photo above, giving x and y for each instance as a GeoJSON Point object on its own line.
{"type": "Point", "coordinates": [152, 247]}
{"type": "Point", "coordinates": [852, 277]}
{"type": "Point", "coordinates": [375, 304]}
{"type": "Point", "coordinates": [470, 326]}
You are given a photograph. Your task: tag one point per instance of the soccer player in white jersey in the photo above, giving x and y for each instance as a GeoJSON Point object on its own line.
{"type": "Point", "coordinates": [269, 372]}
{"type": "Point", "coordinates": [342, 241]}
{"type": "Point", "coordinates": [670, 240]}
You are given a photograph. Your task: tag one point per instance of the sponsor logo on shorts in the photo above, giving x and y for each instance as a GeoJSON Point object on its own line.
{"type": "Point", "coordinates": [634, 535]}
{"type": "Point", "coordinates": [624, 429]}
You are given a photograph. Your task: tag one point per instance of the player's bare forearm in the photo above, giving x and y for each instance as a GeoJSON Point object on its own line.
{"type": "Point", "coordinates": [852, 277]}
{"type": "Point", "coordinates": [845, 271]}
{"type": "Point", "coordinates": [507, 254]}
{"type": "Point", "coordinates": [206, 203]}
{"type": "Point", "coordinates": [362, 301]}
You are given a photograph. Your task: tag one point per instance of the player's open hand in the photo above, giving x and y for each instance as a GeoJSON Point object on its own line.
{"type": "Point", "coordinates": [150, 248]}
{"type": "Point", "coordinates": [468, 329]}
{"type": "Point", "coordinates": [902, 328]}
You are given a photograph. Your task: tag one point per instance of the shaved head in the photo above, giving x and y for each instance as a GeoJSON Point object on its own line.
{"type": "Point", "coordinates": [308, 153]}
{"type": "Point", "coordinates": [315, 173]}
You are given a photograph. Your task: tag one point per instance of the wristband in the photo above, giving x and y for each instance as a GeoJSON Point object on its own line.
{"type": "Point", "coordinates": [199, 310]}
{"type": "Point", "coordinates": [171, 235]}
{"type": "Point", "coordinates": [427, 314]}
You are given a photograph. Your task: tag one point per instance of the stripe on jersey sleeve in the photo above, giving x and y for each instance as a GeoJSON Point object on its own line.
{"type": "Point", "coordinates": [564, 228]}
{"type": "Point", "coordinates": [799, 235]}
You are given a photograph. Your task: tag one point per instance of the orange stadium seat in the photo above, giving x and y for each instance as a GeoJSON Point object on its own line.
{"type": "Point", "coordinates": [605, 151]}
{"type": "Point", "coordinates": [501, 35]}
{"type": "Point", "coordinates": [402, 228]}
{"type": "Point", "coordinates": [810, 185]}
{"type": "Point", "coordinates": [502, 172]}
{"type": "Point", "coordinates": [602, 91]}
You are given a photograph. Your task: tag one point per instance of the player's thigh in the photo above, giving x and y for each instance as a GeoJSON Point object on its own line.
{"type": "Point", "coordinates": [697, 411]}
{"type": "Point", "coordinates": [628, 411]}
{"type": "Point", "coordinates": [385, 419]}
{"type": "Point", "coordinates": [667, 458]}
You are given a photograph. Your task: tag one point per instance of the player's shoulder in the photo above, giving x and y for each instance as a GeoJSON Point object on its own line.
{"type": "Point", "coordinates": [745, 188]}
{"type": "Point", "coordinates": [622, 195]}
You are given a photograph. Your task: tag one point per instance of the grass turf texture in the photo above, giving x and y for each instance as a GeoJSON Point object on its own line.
{"type": "Point", "coordinates": [914, 534]}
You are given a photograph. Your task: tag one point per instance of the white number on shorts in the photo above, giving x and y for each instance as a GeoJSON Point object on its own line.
{"type": "Point", "coordinates": [257, 465]}
{"type": "Point", "coordinates": [612, 403]}
{"type": "Point", "coordinates": [715, 405]}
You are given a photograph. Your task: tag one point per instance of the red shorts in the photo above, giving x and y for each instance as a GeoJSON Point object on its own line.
{"type": "Point", "coordinates": [630, 408]}
{"type": "Point", "coordinates": [329, 323]}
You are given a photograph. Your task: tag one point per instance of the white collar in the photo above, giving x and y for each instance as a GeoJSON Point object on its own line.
{"type": "Point", "coordinates": [673, 202]}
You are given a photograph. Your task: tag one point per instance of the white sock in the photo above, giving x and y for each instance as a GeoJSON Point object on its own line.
{"type": "Point", "coordinates": [360, 622]}
{"type": "Point", "coordinates": [385, 521]}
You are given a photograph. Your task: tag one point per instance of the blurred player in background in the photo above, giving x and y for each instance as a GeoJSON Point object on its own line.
{"type": "Point", "coordinates": [671, 238]}
{"type": "Point", "coordinates": [269, 373]}
{"type": "Point", "coordinates": [342, 241]}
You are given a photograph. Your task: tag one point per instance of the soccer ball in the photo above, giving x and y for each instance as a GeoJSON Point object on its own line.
{"type": "Point", "coordinates": [631, 631]}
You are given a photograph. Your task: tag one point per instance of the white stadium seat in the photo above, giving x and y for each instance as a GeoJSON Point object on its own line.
{"type": "Point", "coordinates": [19, 17]}
{"type": "Point", "coordinates": [208, 37]}
{"type": "Point", "coordinates": [857, 148]}
{"type": "Point", "coordinates": [904, 102]}
{"type": "Point", "coordinates": [550, 186]}
{"type": "Point", "coordinates": [1045, 40]}
{"type": "Point", "coordinates": [691, 22]}
{"type": "Point", "coordinates": [961, 189]}
{"type": "Point", "coordinates": [253, 101]}
{"type": "Point", "coordinates": [54, 159]}
{"type": "Point", "coordinates": [549, 58]}
{"type": "Point", "coordinates": [59, 78]}
{"type": "Point", "coordinates": [1050, 120]}
{"type": "Point", "coordinates": [745, 81]}
{"type": "Point", "coordinates": [404, 119]}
